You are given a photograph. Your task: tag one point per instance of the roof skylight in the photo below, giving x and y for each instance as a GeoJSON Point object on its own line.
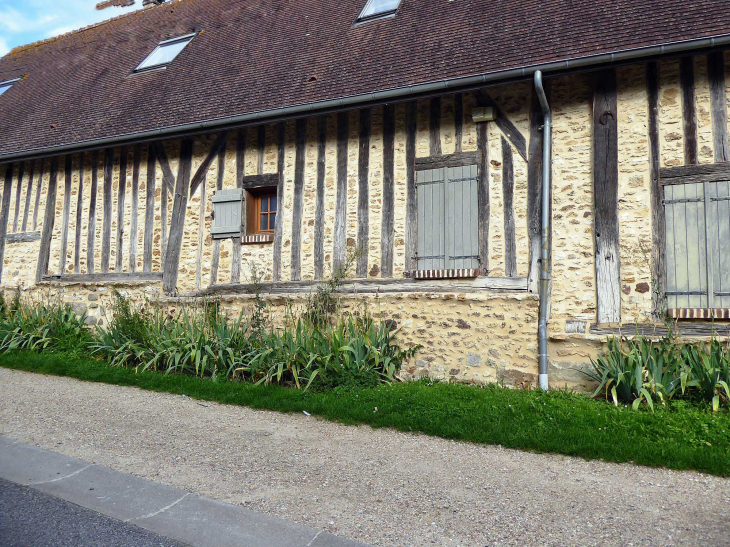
{"type": "Point", "coordinates": [379, 8]}
{"type": "Point", "coordinates": [164, 53]}
{"type": "Point", "coordinates": [7, 84]}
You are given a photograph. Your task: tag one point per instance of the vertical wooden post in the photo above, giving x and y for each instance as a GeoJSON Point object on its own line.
{"type": "Point", "coordinates": [66, 213]}
{"type": "Point", "coordinates": [508, 184]}
{"type": "Point", "coordinates": [716, 74]}
{"type": "Point", "coordinates": [458, 121]}
{"type": "Point", "coordinates": [45, 250]}
{"type": "Point", "coordinates": [106, 233]}
{"type": "Point", "coordinates": [279, 229]}
{"type": "Point", "coordinates": [260, 149]}
{"type": "Point", "coordinates": [136, 160]}
{"type": "Point", "coordinates": [121, 196]}
{"type": "Point", "coordinates": [177, 225]}
{"type": "Point", "coordinates": [299, 166]}
{"type": "Point", "coordinates": [28, 196]}
{"type": "Point", "coordinates": [658, 272]}
{"type": "Point", "coordinates": [91, 235]}
{"type": "Point", "coordinates": [38, 191]}
{"type": "Point", "coordinates": [340, 239]}
{"type": "Point", "coordinates": [605, 195]}
{"type": "Point", "coordinates": [240, 172]}
{"type": "Point", "coordinates": [411, 203]}
{"type": "Point", "coordinates": [217, 242]}
{"type": "Point", "coordinates": [689, 113]}
{"type": "Point", "coordinates": [79, 216]}
{"type": "Point", "coordinates": [483, 191]}
{"type": "Point", "coordinates": [388, 220]}
{"type": "Point", "coordinates": [534, 190]}
{"type": "Point", "coordinates": [434, 127]}
{"type": "Point", "coordinates": [149, 209]}
{"type": "Point", "coordinates": [19, 188]}
{"type": "Point", "coordinates": [363, 198]}
{"type": "Point", "coordinates": [319, 213]}
{"type": "Point", "coordinates": [201, 231]}
{"type": "Point", "coordinates": [5, 212]}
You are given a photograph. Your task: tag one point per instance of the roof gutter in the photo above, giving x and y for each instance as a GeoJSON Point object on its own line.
{"type": "Point", "coordinates": [400, 93]}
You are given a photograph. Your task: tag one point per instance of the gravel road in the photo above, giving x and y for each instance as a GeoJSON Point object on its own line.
{"type": "Point", "coordinates": [375, 486]}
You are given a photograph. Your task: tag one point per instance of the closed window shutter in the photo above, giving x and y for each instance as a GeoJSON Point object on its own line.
{"type": "Point", "coordinates": [717, 205]}
{"type": "Point", "coordinates": [227, 213]}
{"type": "Point", "coordinates": [447, 218]}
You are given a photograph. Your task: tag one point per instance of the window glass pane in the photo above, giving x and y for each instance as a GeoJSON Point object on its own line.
{"type": "Point", "coordinates": [264, 205]}
{"type": "Point", "coordinates": [374, 7]}
{"type": "Point", "coordinates": [273, 204]}
{"type": "Point", "coordinates": [5, 87]}
{"type": "Point", "coordinates": [272, 221]}
{"type": "Point", "coordinates": [164, 54]}
{"type": "Point", "coordinates": [264, 223]}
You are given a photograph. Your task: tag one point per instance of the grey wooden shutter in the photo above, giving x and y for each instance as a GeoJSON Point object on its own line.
{"type": "Point", "coordinates": [227, 213]}
{"type": "Point", "coordinates": [717, 204]}
{"type": "Point", "coordinates": [447, 218]}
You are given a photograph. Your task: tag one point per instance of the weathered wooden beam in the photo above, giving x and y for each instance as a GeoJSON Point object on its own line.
{"type": "Point", "coordinates": [241, 138]}
{"type": "Point", "coordinates": [149, 211]}
{"type": "Point", "coordinates": [434, 127]}
{"type": "Point", "coordinates": [5, 212]}
{"type": "Point", "coordinates": [279, 228]}
{"type": "Point", "coordinates": [269, 180]}
{"type": "Point", "coordinates": [260, 149]}
{"type": "Point", "coordinates": [478, 284]}
{"type": "Point", "coordinates": [388, 214]}
{"type": "Point", "coordinates": [28, 195]}
{"type": "Point", "coordinates": [182, 189]}
{"type": "Point", "coordinates": [91, 234]}
{"type": "Point", "coordinates": [686, 174]}
{"type": "Point", "coordinates": [458, 122]}
{"type": "Point", "coordinates": [79, 216]}
{"type": "Point", "coordinates": [18, 190]}
{"type": "Point", "coordinates": [340, 235]}
{"type": "Point", "coordinates": [38, 192]}
{"type": "Point", "coordinates": [218, 145]}
{"type": "Point", "coordinates": [106, 232]}
{"type": "Point", "coordinates": [133, 225]}
{"type": "Point", "coordinates": [201, 231]}
{"type": "Point", "coordinates": [605, 197]}
{"type": "Point", "coordinates": [168, 177]}
{"type": "Point", "coordinates": [658, 273]}
{"type": "Point", "coordinates": [363, 195]}
{"type": "Point", "coordinates": [121, 197]}
{"type": "Point", "coordinates": [45, 250]}
{"type": "Point", "coordinates": [411, 203]}
{"type": "Point", "coordinates": [112, 277]}
{"type": "Point", "coordinates": [659, 330]}
{"type": "Point", "coordinates": [299, 166]}
{"type": "Point", "coordinates": [319, 212]}
{"type": "Point", "coordinates": [508, 189]}
{"type": "Point", "coordinates": [23, 237]}
{"type": "Point", "coordinates": [534, 189]}
{"type": "Point", "coordinates": [689, 112]}
{"type": "Point", "coordinates": [66, 212]}
{"type": "Point", "coordinates": [718, 106]}
{"type": "Point", "coordinates": [459, 159]}
{"type": "Point", "coordinates": [217, 242]}
{"type": "Point", "coordinates": [483, 191]}
{"type": "Point", "coordinates": [508, 129]}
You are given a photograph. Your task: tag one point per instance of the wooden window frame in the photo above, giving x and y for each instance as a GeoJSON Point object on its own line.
{"type": "Point", "coordinates": [253, 197]}
{"type": "Point", "coordinates": [259, 199]}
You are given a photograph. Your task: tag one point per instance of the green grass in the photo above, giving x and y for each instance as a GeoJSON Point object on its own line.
{"type": "Point", "coordinates": [684, 437]}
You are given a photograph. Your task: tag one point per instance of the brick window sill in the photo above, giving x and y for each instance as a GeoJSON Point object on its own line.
{"type": "Point", "coordinates": [255, 239]}
{"type": "Point", "coordinates": [699, 313]}
{"type": "Point", "coordinates": [443, 274]}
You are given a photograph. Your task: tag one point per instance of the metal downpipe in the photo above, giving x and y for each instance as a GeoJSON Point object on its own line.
{"type": "Point", "coordinates": [545, 233]}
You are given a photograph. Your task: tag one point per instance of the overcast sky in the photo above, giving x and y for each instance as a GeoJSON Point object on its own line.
{"type": "Point", "coordinates": [26, 21]}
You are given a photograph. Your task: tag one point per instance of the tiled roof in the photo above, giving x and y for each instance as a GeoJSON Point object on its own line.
{"type": "Point", "coordinates": [254, 55]}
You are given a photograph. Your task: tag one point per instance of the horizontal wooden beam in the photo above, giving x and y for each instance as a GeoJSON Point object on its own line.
{"type": "Point", "coordinates": [450, 160]}
{"type": "Point", "coordinates": [23, 237]}
{"type": "Point", "coordinates": [685, 174]}
{"type": "Point", "coordinates": [104, 278]}
{"type": "Point", "coordinates": [270, 180]}
{"type": "Point", "coordinates": [479, 284]}
{"type": "Point", "coordinates": [659, 330]}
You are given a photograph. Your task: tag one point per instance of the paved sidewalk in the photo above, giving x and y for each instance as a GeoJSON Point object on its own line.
{"type": "Point", "coordinates": [376, 486]}
{"type": "Point", "coordinates": [161, 509]}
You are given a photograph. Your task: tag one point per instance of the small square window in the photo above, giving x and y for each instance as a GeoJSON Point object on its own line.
{"type": "Point", "coordinates": [378, 8]}
{"type": "Point", "coordinates": [4, 86]}
{"type": "Point", "coordinates": [266, 205]}
{"type": "Point", "coordinates": [164, 53]}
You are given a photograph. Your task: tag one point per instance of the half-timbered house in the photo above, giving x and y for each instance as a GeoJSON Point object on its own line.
{"type": "Point", "coordinates": [221, 147]}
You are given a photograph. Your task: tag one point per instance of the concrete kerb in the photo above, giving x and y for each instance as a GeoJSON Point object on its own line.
{"type": "Point", "coordinates": [168, 511]}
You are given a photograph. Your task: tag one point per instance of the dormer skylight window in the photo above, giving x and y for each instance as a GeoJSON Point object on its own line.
{"type": "Point", "coordinates": [378, 8]}
{"type": "Point", "coordinates": [165, 52]}
{"type": "Point", "coordinates": [7, 84]}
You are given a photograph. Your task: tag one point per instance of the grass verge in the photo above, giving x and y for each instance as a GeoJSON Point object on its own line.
{"type": "Point", "coordinates": [683, 437]}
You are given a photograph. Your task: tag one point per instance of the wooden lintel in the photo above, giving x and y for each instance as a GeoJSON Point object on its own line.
{"type": "Point", "coordinates": [685, 174]}
{"type": "Point", "coordinates": [268, 180]}
{"type": "Point", "coordinates": [458, 159]}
